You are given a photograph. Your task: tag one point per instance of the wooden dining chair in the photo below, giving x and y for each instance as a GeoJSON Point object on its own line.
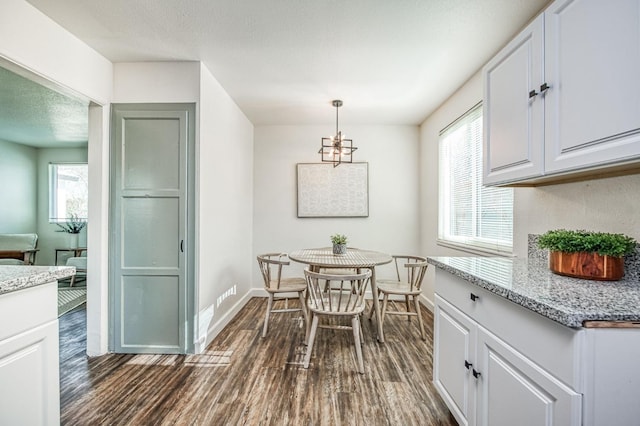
{"type": "Point", "coordinates": [410, 272]}
{"type": "Point", "coordinates": [335, 295]}
{"type": "Point", "coordinates": [271, 265]}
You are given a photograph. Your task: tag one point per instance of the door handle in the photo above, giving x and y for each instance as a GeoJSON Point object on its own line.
{"type": "Point", "coordinates": [182, 246]}
{"type": "Point", "coordinates": [544, 87]}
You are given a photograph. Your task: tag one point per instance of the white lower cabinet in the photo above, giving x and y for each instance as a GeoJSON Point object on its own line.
{"type": "Point", "coordinates": [29, 370]}
{"type": "Point", "coordinates": [513, 390]}
{"type": "Point", "coordinates": [485, 381]}
{"type": "Point", "coordinates": [455, 348]}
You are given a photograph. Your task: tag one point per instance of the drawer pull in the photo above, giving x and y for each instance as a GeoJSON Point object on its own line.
{"type": "Point", "coordinates": [475, 373]}
{"type": "Point", "coordinates": [467, 364]}
{"type": "Point", "coordinates": [532, 94]}
{"type": "Point", "coordinates": [474, 297]}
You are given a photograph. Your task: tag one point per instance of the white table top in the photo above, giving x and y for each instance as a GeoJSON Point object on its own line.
{"type": "Point", "coordinates": [353, 258]}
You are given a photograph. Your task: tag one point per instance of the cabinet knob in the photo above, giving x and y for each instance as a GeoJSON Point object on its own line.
{"type": "Point", "coordinates": [475, 373]}
{"type": "Point", "coordinates": [473, 297]}
{"type": "Point", "coordinates": [532, 94]}
{"type": "Point", "coordinates": [467, 364]}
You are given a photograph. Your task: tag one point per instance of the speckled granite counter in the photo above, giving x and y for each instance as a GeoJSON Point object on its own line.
{"type": "Point", "coordinates": [529, 283]}
{"type": "Point", "coordinates": [17, 277]}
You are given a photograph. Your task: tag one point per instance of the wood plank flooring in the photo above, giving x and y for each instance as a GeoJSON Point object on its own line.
{"type": "Point", "coordinates": [243, 379]}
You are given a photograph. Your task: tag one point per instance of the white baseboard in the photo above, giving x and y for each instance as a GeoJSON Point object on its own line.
{"type": "Point", "coordinates": [215, 328]}
{"type": "Point", "coordinates": [426, 302]}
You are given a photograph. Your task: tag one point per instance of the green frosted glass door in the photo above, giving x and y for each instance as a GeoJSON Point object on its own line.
{"type": "Point", "coordinates": [150, 238]}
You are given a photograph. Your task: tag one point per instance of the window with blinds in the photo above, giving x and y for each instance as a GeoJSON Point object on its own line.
{"type": "Point", "coordinates": [470, 215]}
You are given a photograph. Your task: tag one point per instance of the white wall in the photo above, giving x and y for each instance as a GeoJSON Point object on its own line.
{"type": "Point", "coordinates": [610, 205]}
{"type": "Point", "coordinates": [18, 192]}
{"type": "Point", "coordinates": [36, 47]}
{"type": "Point", "coordinates": [48, 237]}
{"type": "Point", "coordinates": [163, 82]}
{"type": "Point", "coordinates": [29, 40]}
{"type": "Point", "coordinates": [393, 223]}
{"type": "Point", "coordinates": [225, 206]}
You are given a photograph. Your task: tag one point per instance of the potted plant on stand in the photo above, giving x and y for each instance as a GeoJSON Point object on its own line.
{"type": "Point", "coordinates": [72, 226]}
{"type": "Point", "coordinates": [339, 243]}
{"type": "Point", "coordinates": [588, 255]}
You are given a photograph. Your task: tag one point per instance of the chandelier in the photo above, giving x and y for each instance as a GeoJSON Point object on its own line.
{"type": "Point", "coordinates": [337, 149]}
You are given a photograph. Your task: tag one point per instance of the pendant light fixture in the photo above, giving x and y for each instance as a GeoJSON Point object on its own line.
{"type": "Point", "coordinates": [337, 149]}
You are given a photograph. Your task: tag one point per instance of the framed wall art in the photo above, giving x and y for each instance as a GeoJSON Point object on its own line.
{"type": "Point", "coordinates": [327, 191]}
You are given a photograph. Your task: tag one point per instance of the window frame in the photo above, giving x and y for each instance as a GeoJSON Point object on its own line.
{"type": "Point", "coordinates": [53, 190]}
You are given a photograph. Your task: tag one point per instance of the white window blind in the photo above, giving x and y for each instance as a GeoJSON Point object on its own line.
{"type": "Point", "coordinates": [470, 215]}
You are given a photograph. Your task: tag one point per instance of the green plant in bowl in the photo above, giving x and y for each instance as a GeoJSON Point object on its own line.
{"type": "Point", "coordinates": [605, 244]}
{"type": "Point", "coordinates": [339, 243]}
{"type": "Point", "coordinates": [72, 225]}
{"type": "Point", "coordinates": [339, 239]}
{"type": "Point", "coordinates": [587, 255]}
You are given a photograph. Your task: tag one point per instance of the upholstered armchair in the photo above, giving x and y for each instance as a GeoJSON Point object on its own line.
{"type": "Point", "coordinates": [18, 249]}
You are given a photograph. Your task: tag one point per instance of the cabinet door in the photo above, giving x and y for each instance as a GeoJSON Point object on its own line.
{"type": "Point", "coordinates": [592, 66]}
{"type": "Point", "coordinates": [453, 356]}
{"type": "Point", "coordinates": [513, 109]}
{"type": "Point", "coordinates": [512, 390]}
{"type": "Point", "coordinates": [29, 377]}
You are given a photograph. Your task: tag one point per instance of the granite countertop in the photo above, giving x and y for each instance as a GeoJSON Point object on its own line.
{"type": "Point", "coordinates": [18, 277]}
{"type": "Point", "coordinates": [530, 283]}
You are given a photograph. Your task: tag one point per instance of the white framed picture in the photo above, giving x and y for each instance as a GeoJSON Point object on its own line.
{"type": "Point", "coordinates": [327, 191]}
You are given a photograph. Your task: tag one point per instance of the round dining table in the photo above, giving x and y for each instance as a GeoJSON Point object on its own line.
{"type": "Point", "coordinates": [318, 258]}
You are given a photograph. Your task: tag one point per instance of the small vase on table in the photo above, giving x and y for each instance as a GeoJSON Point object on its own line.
{"type": "Point", "coordinates": [73, 240]}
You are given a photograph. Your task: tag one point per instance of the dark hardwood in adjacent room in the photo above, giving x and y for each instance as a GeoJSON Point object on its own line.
{"type": "Point", "coordinates": [245, 379]}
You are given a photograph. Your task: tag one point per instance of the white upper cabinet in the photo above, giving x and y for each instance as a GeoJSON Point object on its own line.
{"type": "Point", "coordinates": [592, 65]}
{"type": "Point", "coordinates": [513, 110]}
{"type": "Point", "coordinates": [564, 95]}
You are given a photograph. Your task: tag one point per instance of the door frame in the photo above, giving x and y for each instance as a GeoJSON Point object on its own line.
{"type": "Point", "coordinates": [188, 320]}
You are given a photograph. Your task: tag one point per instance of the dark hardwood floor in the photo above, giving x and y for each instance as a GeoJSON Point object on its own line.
{"type": "Point", "coordinates": [243, 379]}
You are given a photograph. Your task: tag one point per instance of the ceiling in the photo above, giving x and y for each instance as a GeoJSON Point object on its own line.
{"type": "Point", "coordinates": [283, 61]}
{"type": "Point", "coordinates": [31, 114]}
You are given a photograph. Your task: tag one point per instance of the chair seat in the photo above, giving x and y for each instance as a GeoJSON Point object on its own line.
{"type": "Point", "coordinates": [78, 262]}
{"type": "Point", "coordinates": [396, 287]}
{"type": "Point", "coordinates": [288, 285]}
{"type": "Point", "coordinates": [11, 262]}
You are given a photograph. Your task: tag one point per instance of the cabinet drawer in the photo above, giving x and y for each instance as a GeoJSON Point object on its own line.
{"type": "Point", "coordinates": [33, 306]}
{"type": "Point", "coordinates": [549, 344]}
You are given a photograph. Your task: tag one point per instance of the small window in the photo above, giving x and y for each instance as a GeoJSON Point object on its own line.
{"type": "Point", "coordinates": [68, 191]}
{"type": "Point", "coordinates": [471, 216]}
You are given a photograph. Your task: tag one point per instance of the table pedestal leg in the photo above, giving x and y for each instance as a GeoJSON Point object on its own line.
{"type": "Point", "coordinates": [376, 305]}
